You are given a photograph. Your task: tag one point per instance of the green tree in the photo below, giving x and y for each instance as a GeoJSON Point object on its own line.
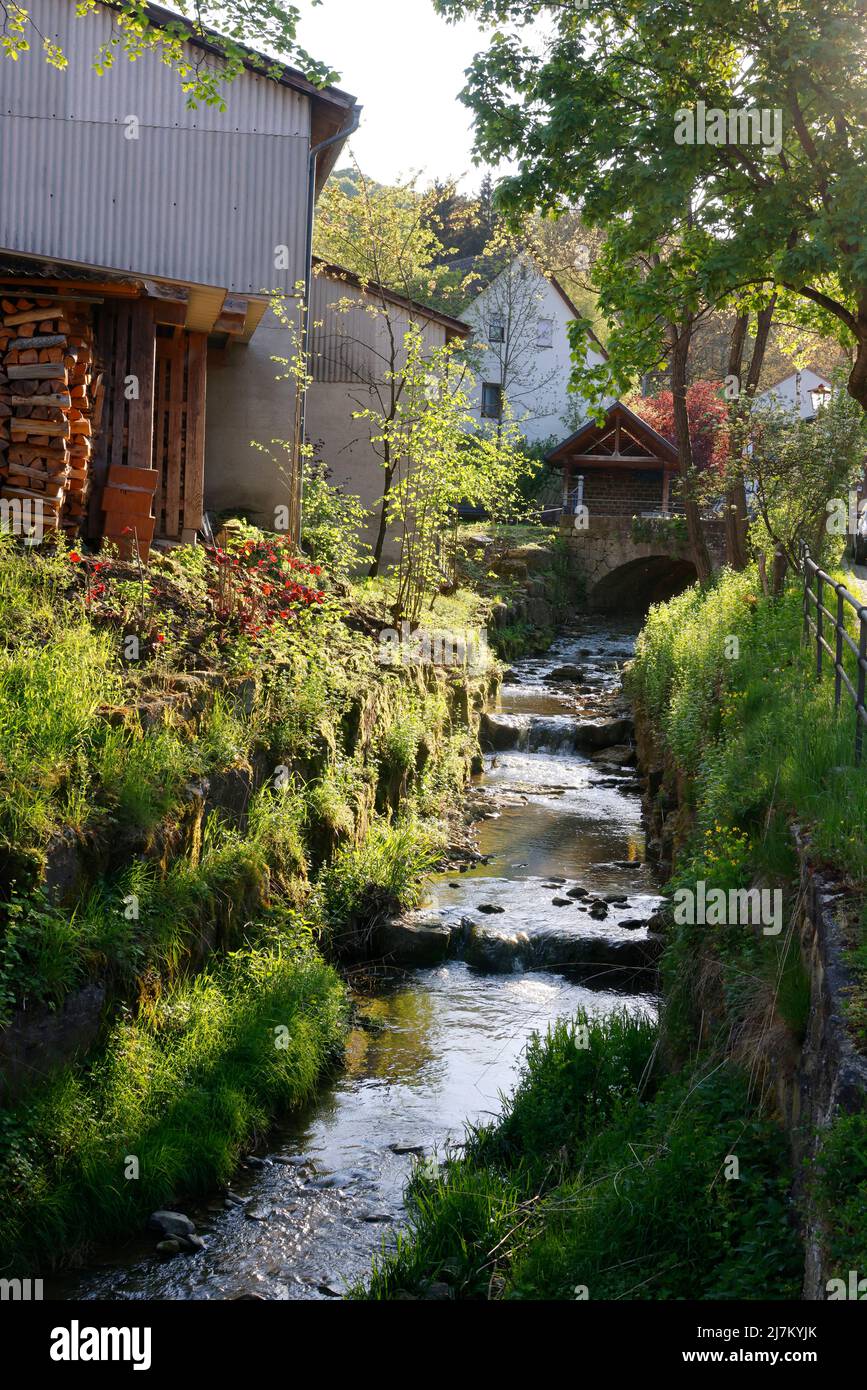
{"type": "Point", "coordinates": [596, 115]}
{"type": "Point", "coordinates": [440, 461]}
{"type": "Point", "coordinates": [797, 467]}
{"type": "Point", "coordinates": [386, 237]}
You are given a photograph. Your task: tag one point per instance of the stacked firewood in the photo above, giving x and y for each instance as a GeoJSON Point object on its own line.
{"type": "Point", "coordinates": [49, 403]}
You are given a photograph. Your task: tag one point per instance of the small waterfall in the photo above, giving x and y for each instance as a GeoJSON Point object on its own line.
{"type": "Point", "coordinates": [528, 733]}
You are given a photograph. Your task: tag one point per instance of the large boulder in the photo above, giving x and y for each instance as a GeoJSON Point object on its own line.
{"type": "Point", "coordinates": [603, 961]}
{"type": "Point", "coordinates": [597, 734]}
{"type": "Point", "coordinates": [171, 1224]}
{"type": "Point", "coordinates": [499, 732]}
{"type": "Point", "coordinates": [408, 941]}
{"type": "Point", "coordinates": [535, 557]}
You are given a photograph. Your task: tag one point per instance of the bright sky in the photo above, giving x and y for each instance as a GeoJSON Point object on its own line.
{"type": "Point", "coordinates": [406, 66]}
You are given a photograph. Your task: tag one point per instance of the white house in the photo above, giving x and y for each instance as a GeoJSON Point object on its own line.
{"type": "Point", "coordinates": [520, 325]}
{"type": "Point", "coordinates": [801, 391]}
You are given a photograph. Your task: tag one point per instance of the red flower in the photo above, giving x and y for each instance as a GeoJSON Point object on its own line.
{"type": "Point", "coordinates": [159, 637]}
{"type": "Point", "coordinates": [74, 557]}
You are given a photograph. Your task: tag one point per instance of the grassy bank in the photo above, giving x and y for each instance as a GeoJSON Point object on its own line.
{"type": "Point", "coordinates": [229, 798]}
{"type": "Point", "coordinates": [605, 1178]}
{"type": "Point", "coordinates": [164, 1111]}
{"type": "Point", "coordinates": [755, 746]}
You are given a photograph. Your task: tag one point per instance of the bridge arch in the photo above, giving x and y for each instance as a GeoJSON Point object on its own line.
{"type": "Point", "coordinates": [634, 585]}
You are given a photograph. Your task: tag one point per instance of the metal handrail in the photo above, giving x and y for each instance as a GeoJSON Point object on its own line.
{"type": "Point", "coordinates": [813, 602]}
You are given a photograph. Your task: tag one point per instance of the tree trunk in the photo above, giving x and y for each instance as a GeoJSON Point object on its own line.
{"type": "Point", "coordinates": [857, 384]}
{"type": "Point", "coordinates": [735, 496]}
{"type": "Point", "coordinates": [763, 328]}
{"type": "Point", "coordinates": [679, 356]}
{"type": "Point", "coordinates": [383, 525]}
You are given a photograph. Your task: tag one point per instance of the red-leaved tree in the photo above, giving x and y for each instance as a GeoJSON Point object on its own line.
{"type": "Point", "coordinates": [708, 414]}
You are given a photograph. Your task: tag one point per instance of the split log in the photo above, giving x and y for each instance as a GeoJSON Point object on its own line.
{"type": "Point", "coordinates": [48, 371]}
{"type": "Point", "coordinates": [42, 340]}
{"type": "Point", "coordinates": [58, 401]}
{"type": "Point", "coordinates": [43, 427]}
{"type": "Point", "coordinates": [28, 316]}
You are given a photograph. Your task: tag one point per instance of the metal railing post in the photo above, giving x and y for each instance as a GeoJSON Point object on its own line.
{"type": "Point", "coordinates": [807, 592]}
{"type": "Point", "coordinates": [819, 601]}
{"type": "Point", "coordinates": [838, 650]}
{"type": "Point", "coordinates": [859, 704]}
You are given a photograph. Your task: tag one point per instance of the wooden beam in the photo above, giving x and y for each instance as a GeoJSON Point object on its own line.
{"type": "Point", "coordinates": [141, 412]}
{"type": "Point", "coordinates": [194, 463]}
{"type": "Point", "coordinates": [169, 312]}
{"type": "Point", "coordinates": [613, 461]}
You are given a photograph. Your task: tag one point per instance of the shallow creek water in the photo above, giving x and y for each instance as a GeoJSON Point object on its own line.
{"type": "Point", "coordinates": [446, 1041]}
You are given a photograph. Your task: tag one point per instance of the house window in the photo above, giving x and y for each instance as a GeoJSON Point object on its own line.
{"type": "Point", "coordinates": [545, 333]}
{"type": "Point", "coordinates": [492, 401]}
{"type": "Point", "coordinates": [496, 331]}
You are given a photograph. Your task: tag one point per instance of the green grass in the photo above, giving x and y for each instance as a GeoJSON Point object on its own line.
{"type": "Point", "coordinates": [385, 871]}
{"type": "Point", "coordinates": [759, 746]}
{"type": "Point", "coordinates": [842, 1192]}
{"type": "Point", "coordinates": [181, 1088]}
{"type": "Point", "coordinates": [757, 736]}
{"type": "Point", "coordinates": [605, 1179]}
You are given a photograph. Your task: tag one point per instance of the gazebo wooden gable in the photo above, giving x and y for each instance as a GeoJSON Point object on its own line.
{"type": "Point", "coordinates": [622, 441]}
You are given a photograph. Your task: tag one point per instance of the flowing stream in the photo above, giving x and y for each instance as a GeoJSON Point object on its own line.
{"type": "Point", "coordinates": [439, 1045]}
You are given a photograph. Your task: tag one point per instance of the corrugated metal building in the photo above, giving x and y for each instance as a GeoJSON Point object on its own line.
{"type": "Point", "coordinates": [352, 325]}
{"type": "Point", "coordinates": [114, 172]}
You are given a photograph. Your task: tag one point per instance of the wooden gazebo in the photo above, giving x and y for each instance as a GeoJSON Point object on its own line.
{"type": "Point", "coordinates": [621, 467]}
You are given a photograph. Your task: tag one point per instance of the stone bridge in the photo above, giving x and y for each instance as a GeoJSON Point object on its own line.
{"type": "Point", "coordinates": [631, 562]}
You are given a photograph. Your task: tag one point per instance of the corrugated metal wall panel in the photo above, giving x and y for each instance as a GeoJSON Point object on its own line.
{"type": "Point", "coordinates": [145, 88]}
{"type": "Point", "coordinates": [351, 344]}
{"type": "Point", "coordinates": [342, 340]}
{"type": "Point", "coordinates": [198, 196]}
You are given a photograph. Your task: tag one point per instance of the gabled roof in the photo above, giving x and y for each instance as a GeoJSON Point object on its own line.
{"type": "Point", "coordinates": [661, 452]}
{"type": "Point", "coordinates": [797, 371]}
{"type": "Point", "coordinates": [456, 327]}
{"type": "Point", "coordinates": [552, 281]}
{"type": "Point", "coordinates": [575, 312]}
